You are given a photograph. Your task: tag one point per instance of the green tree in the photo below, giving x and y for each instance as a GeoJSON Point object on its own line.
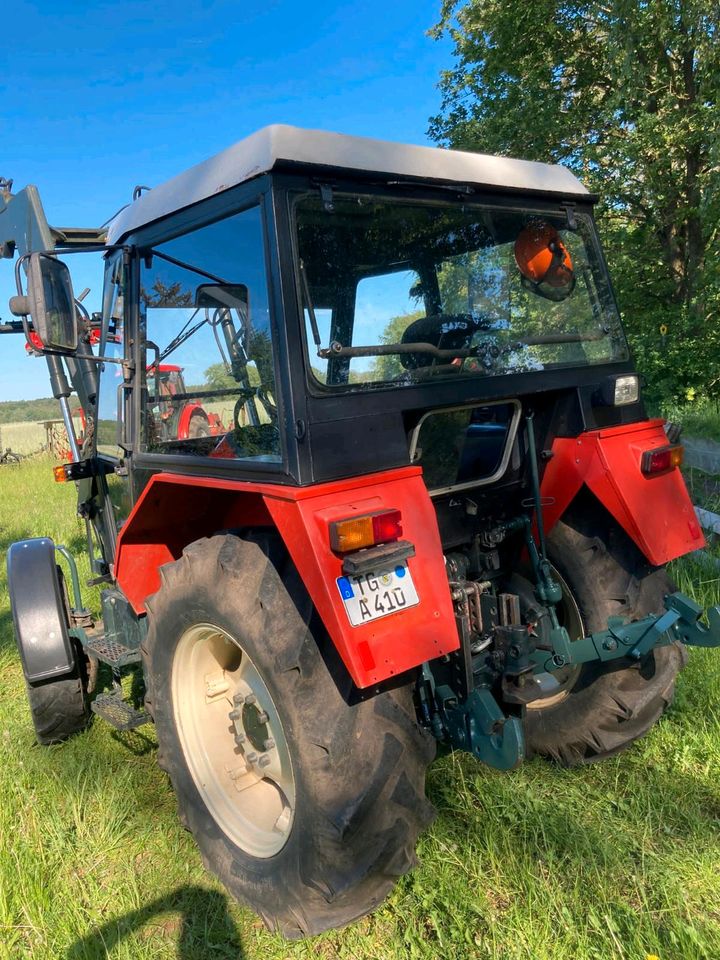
{"type": "Point", "coordinates": [166, 295]}
{"type": "Point", "coordinates": [218, 377]}
{"type": "Point", "coordinates": [625, 93]}
{"type": "Point", "coordinates": [389, 367]}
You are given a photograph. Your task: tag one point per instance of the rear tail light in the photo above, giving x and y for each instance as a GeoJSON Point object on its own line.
{"type": "Point", "coordinates": [366, 531]}
{"type": "Point", "coordinates": [662, 459]}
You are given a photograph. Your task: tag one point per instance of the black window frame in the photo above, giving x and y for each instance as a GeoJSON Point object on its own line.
{"type": "Point", "coordinates": [257, 193]}
{"type": "Point", "coordinates": [521, 383]}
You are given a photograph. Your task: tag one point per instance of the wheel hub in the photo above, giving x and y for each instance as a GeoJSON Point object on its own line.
{"type": "Point", "coordinates": [569, 617]}
{"type": "Point", "coordinates": [233, 740]}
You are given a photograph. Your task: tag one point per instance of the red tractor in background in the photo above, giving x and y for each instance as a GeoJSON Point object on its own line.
{"type": "Point", "coordinates": [183, 419]}
{"type": "Point", "coordinates": [438, 511]}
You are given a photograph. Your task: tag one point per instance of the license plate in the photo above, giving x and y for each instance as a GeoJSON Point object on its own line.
{"type": "Point", "coordinates": [370, 596]}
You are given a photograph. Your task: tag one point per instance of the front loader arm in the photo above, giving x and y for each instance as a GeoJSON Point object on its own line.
{"type": "Point", "coordinates": [24, 227]}
{"type": "Point", "coordinates": [24, 230]}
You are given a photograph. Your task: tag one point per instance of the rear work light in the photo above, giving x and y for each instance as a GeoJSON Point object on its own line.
{"type": "Point", "coordinates": [620, 391]}
{"type": "Point", "coordinates": [365, 531]}
{"type": "Point", "coordinates": [662, 459]}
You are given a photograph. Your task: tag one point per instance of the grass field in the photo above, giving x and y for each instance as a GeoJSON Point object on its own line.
{"type": "Point", "coordinates": [28, 437]}
{"type": "Point", "coordinates": [620, 860]}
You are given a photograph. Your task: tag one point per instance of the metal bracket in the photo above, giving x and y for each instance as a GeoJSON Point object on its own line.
{"type": "Point", "coordinates": [479, 726]}
{"type": "Point", "coordinates": [688, 628]}
{"type": "Point", "coordinates": [326, 195]}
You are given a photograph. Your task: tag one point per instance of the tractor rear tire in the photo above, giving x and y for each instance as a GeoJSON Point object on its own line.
{"type": "Point", "coordinates": [607, 706]}
{"type": "Point", "coordinates": [241, 694]}
{"type": "Point", "coordinates": [198, 427]}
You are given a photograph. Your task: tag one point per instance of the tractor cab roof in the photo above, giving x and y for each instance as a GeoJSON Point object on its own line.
{"type": "Point", "coordinates": [314, 151]}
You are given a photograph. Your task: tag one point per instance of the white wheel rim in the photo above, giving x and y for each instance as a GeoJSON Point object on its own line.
{"type": "Point", "coordinates": [233, 741]}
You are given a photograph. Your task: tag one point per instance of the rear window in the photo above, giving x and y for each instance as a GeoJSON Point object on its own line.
{"type": "Point", "coordinates": [400, 292]}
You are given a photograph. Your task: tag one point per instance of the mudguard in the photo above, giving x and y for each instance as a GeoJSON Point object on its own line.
{"type": "Point", "coordinates": [38, 609]}
{"type": "Point", "coordinates": [186, 415]}
{"type": "Point", "coordinates": [373, 651]}
{"type": "Point", "coordinates": [656, 512]}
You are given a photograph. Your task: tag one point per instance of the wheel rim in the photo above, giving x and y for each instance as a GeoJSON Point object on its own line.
{"type": "Point", "coordinates": [233, 740]}
{"type": "Point", "coordinates": [570, 617]}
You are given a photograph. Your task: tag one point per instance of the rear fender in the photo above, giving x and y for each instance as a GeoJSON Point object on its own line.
{"type": "Point", "coordinates": [655, 512]}
{"type": "Point", "coordinates": [38, 610]}
{"type": "Point", "coordinates": [173, 511]}
{"type": "Point", "coordinates": [186, 415]}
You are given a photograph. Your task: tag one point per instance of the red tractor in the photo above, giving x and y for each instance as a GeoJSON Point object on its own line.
{"type": "Point", "coordinates": [438, 511]}
{"type": "Point", "coordinates": [176, 417]}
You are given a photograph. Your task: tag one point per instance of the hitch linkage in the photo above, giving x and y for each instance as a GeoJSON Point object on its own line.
{"type": "Point", "coordinates": [478, 723]}
{"type": "Point", "coordinates": [680, 621]}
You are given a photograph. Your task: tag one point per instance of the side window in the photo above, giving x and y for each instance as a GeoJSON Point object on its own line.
{"type": "Point", "coordinates": [385, 306]}
{"type": "Point", "coordinates": [112, 344]}
{"type": "Point", "coordinates": [209, 373]}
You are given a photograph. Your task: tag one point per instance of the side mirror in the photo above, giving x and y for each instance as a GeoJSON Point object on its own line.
{"type": "Point", "coordinates": [50, 303]}
{"type": "Point", "coordinates": [233, 295]}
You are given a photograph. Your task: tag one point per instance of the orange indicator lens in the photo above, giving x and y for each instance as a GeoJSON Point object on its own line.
{"type": "Point", "coordinates": [358, 532]}
{"type": "Point", "coordinates": [662, 459]}
{"type": "Point", "coordinates": [60, 474]}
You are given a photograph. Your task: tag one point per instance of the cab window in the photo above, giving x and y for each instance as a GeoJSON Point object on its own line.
{"type": "Point", "coordinates": [208, 365]}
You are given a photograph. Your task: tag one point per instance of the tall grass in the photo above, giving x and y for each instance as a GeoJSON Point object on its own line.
{"type": "Point", "coordinates": [616, 861]}
{"type": "Point", "coordinates": [699, 419]}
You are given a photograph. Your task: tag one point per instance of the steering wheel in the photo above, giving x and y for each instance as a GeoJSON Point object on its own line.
{"type": "Point", "coordinates": [443, 330]}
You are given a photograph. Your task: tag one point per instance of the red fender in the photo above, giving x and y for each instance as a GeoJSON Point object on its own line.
{"type": "Point", "coordinates": [186, 415]}
{"type": "Point", "coordinates": [175, 510]}
{"type": "Point", "coordinates": [656, 512]}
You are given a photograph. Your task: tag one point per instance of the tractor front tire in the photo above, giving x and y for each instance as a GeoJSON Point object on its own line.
{"type": "Point", "coordinates": [605, 707]}
{"type": "Point", "coordinates": [59, 708]}
{"type": "Point", "coordinates": [306, 808]}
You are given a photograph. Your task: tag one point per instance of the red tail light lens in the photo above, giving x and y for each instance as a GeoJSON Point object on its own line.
{"type": "Point", "coordinates": [662, 459]}
{"type": "Point", "coordinates": [387, 526]}
{"type": "Point", "coordinates": [366, 531]}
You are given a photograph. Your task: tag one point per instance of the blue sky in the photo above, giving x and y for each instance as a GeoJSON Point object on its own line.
{"type": "Point", "coordinates": [98, 97]}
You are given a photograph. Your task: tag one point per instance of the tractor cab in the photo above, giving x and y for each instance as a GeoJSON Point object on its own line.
{"type": "Point", "coordinates": [365, 465]}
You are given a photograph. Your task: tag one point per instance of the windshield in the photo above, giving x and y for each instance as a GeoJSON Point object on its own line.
{"type": "Point", "coordinates": [402, 291]}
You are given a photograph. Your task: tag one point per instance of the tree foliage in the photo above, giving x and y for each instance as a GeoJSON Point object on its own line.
{"type": "Point", "coordinates": [625, 93]}
{"type": "Point", "coordinates": [12, 411]}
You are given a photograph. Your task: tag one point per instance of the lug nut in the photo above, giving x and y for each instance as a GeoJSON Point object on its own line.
{"type": "Point", "coordinates": [269, 744]}
{"type": "Point", "coordinates": [240, 738]}
{"type": "Point", "coordinates": [251, 757]}
{"type": "Point", "coordinates": [238, 699]}
{"type": "Point", "coordinates": [262, 717]}
{"type": "Point", "coordinates": [250, 699]}
{"type": "Point", "coordinates": [235, 715]}
{"type": "Point", "coordinates": [264, 760]}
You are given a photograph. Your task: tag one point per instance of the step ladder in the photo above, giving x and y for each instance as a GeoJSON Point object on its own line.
{"type": "Point", "coordinates": [112, 705]}
{"type": "Point", "coordinates": [117, 711]}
